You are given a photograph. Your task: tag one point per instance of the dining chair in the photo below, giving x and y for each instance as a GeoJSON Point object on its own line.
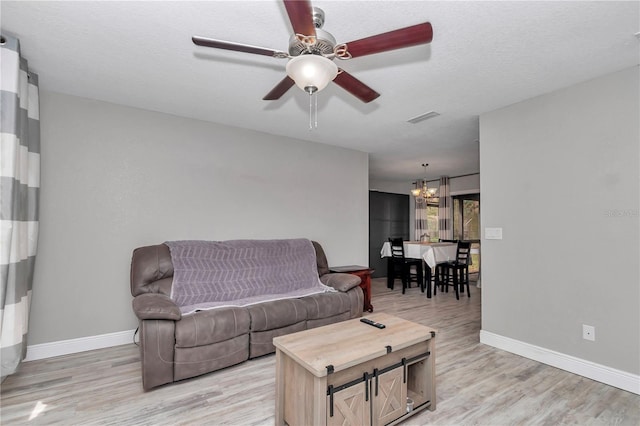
{"type": "Point", "coordinates": [456, 272]}
{"type": "Point", "coordinates": [402, 266]}
{"type": "Point", "coordinates": [440, 268]}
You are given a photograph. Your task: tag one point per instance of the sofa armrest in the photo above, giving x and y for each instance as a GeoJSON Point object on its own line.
{"type": "Point", "coordinates": [340, 281]}
{"type": "Point", "coordinates": [155, 306]}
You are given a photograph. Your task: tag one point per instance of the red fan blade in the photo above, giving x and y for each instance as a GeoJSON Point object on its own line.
{"type": "Point", "coordinates": [280, 89]}
{"type": "Point", "coordinates": [355, 87]}
{"type": "Point", "coordinates": [397, 39]}
{"type": "Point", "coordinates": [301, 16]}
{"type": "Point", "coordinates": [227, 45]}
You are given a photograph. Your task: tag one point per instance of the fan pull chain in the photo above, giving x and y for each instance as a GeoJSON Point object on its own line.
{"type": "Point", "coordinates": [310, 110]}
{"type": "Point", "coordinates": [315, 96]}
{"type": "Point", "coordinates": [313, 110]}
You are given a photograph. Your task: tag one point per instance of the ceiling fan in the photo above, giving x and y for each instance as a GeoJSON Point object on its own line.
{"type": "Point", "coordinates": [312, 51]}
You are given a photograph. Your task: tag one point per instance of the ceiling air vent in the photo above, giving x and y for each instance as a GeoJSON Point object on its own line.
{"type": "Point", "coordinates": [422, 117]}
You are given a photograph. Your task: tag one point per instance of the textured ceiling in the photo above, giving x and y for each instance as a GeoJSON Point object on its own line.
{"type": "Point", "coordinates": [484, 56]}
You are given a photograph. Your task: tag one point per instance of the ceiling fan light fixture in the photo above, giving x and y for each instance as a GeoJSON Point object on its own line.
{"type": "Point", "coordinates": [311, 72]}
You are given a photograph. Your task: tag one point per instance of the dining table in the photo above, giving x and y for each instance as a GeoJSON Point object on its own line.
{"type": "Point", "coordinates": [430, 253]}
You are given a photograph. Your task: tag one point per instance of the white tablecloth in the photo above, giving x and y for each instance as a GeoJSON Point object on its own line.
{"type": "Point", "coordinates": [431, 253]}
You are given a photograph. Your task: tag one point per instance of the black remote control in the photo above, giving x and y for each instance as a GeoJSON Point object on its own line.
{"type": "Point", "coordinates": [372, 323]}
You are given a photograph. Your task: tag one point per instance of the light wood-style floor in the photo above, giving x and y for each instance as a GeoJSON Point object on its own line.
{"type": "Point", "coordinates": [476, 384]}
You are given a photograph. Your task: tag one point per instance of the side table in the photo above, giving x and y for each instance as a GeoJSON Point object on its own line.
{"type": "Point", "coordinates": [364, 272]}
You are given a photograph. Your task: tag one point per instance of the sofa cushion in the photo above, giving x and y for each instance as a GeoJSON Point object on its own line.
{"type": "Point", "coordinates": [277, 314]}
{"type": "Point", "coordinates": [261, 342]}
{"type": "Point", "coordinates": [326, 305]}
{"type": "Point", "coordinates": [212, 326]}
{"type": "Point", "coordinates": [190, 362]}
{"type": "Point", "coordinates": [321, 259]}
{"type": "Point", "coordinates": [329, 320]}
{"type": "Point", "coordinates": [341, 282]}
{"type": "Point", "coordinates": [151, 270]}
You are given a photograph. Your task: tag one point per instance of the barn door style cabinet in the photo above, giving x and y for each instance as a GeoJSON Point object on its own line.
{"type": "Point", "coordinates": [351, 373]}
{"type": "Point", "coordinates": [380, 397]}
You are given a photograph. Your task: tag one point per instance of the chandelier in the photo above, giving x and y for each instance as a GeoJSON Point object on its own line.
{"type": "Point", "coordinates": [422, 192]}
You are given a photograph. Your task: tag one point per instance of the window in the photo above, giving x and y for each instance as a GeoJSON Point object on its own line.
{"type": "Point", "coordinates": [432, 222]}
{"type": "Point", "coordinates": [466, 224]}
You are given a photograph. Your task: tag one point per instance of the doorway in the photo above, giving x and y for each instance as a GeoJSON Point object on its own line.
{"type": "Point", "coordinates": [388, 217]}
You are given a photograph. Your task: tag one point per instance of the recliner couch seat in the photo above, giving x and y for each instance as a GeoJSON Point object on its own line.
{"type": "Point", "coordinates": [176, 346]}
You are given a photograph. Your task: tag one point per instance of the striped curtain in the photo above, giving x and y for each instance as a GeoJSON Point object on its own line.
{"type": "Point", "coordinates": [19, 189]}
{"type": "Point", "coordinates": [445, 219]}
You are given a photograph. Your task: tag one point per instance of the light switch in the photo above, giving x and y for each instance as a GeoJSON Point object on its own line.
{"type": "Point", "coordinates": [492, 233]}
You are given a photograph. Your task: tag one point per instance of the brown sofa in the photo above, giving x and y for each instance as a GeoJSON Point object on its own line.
{"type": "Point", "coordinates": [174, 346]}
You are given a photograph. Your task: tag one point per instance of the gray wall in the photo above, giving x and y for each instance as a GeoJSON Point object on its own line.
{"type": "Point", "coordinates": [115, 178]}
{"type": "Point", "coordinates": [560, 175]}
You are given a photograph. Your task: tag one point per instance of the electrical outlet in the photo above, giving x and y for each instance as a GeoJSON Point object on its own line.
{"type": "Point", "coordinates": [588, 332]}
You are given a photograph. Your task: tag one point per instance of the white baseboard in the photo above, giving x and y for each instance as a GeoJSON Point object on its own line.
{"type": "Point", "coordinates": [72, 346]}
{"type": "Point", "coordinates": [610, 376]}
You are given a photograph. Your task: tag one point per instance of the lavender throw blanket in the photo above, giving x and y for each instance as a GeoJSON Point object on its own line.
{"type": "Point", "coordinates": [212, 274]}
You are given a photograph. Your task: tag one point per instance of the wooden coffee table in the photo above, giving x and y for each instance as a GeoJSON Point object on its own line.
{"type": "Point", "coordinates": [351, 373]}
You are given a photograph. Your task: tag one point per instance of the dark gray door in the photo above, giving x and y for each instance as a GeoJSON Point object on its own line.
{"type": "Point", "coordinates": [388, 217]}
